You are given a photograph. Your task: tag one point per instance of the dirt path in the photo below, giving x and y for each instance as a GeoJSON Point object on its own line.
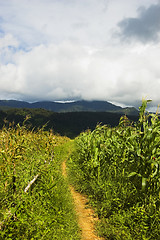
{"type": "Point", "coordinates": [85, 214]}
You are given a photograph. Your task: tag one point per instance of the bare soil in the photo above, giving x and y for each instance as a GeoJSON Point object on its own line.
{"type": "Point", "coordinates": [86, 216]}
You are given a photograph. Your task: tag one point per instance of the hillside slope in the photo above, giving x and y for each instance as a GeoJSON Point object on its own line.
{"type": "Point", "coordinates": [69, 123]}
{"type": "Point", "coordinates": [77, 106]}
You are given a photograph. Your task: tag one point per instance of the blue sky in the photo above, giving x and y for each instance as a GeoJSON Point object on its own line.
{"type": "Point", "coordinates": [80, 49]}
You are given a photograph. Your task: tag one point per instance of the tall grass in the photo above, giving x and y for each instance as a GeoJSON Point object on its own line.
{"type": "Point", "coordinates": [45, 210]}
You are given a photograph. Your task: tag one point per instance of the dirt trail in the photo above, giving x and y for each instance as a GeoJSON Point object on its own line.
{"type": "Point", "coordinates": [86, 218]}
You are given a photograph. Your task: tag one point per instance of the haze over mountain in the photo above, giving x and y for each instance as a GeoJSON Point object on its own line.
{"type": "Point", "coordinates": [77, 106]}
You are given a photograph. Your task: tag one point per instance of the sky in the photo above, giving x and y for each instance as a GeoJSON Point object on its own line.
{"type": "Point", "coordinates": [59, 50]}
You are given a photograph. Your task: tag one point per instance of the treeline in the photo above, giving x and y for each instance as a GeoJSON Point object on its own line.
{"type": "Point", "coordinates": [69, 124]}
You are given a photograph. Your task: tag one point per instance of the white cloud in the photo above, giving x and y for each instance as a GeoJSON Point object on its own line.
{"type": "Point", "coordinates": [57, 50]}
{"type": "Point", "coordinates": [70, 71]}
{"type": "Point", "coordinates": [8, 40]}
{"type": "Point", "coordinates": [8, 45]}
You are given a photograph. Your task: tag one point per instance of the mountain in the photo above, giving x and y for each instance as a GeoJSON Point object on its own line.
{"type": "Point", "coordinates": [77, 106]}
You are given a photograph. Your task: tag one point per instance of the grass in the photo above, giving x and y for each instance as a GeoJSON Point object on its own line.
{"type": "Point", "coordinates": [46, 210]}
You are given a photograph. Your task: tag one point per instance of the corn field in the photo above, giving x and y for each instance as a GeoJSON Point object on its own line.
{"type": "Point", "coordinates": [119, 169]}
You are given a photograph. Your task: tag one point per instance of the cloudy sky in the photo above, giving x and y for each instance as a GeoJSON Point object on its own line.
{"type": "Point", "coordinates": [80, 49]}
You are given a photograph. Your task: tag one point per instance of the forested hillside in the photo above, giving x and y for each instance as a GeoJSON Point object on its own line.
{"type": "Point", "coordinates": [75, 106]}
{"type": "Point", "coordinates": [69, 124]}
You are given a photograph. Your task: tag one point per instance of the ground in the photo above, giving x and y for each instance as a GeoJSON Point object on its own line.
{"type": "Point", "coordinates": [85, 215]}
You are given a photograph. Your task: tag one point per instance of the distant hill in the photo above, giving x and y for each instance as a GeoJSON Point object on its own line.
{"type": "Point", "coordinates": [69, 123]}
{"type": "Point", "coordinates": [77, 106]}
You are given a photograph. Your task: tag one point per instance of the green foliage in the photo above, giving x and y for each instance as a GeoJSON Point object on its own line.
{"type": "Point", "coordinates": [119, 170]}
{"type": "Point", "coordinates": [45, 211]}
{"type": "Point", "coordinates": [69, 124]}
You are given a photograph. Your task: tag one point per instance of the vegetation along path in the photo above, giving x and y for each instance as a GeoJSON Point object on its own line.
{"type": "Point", "coordinates": [86, 216]}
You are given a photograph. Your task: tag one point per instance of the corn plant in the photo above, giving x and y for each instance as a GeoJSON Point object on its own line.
{"type": "Point", "coordinates": [119, 169]}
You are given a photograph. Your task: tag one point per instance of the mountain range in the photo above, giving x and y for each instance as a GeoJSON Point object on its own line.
{"type": "Point", "coordinates": [77, 106]}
